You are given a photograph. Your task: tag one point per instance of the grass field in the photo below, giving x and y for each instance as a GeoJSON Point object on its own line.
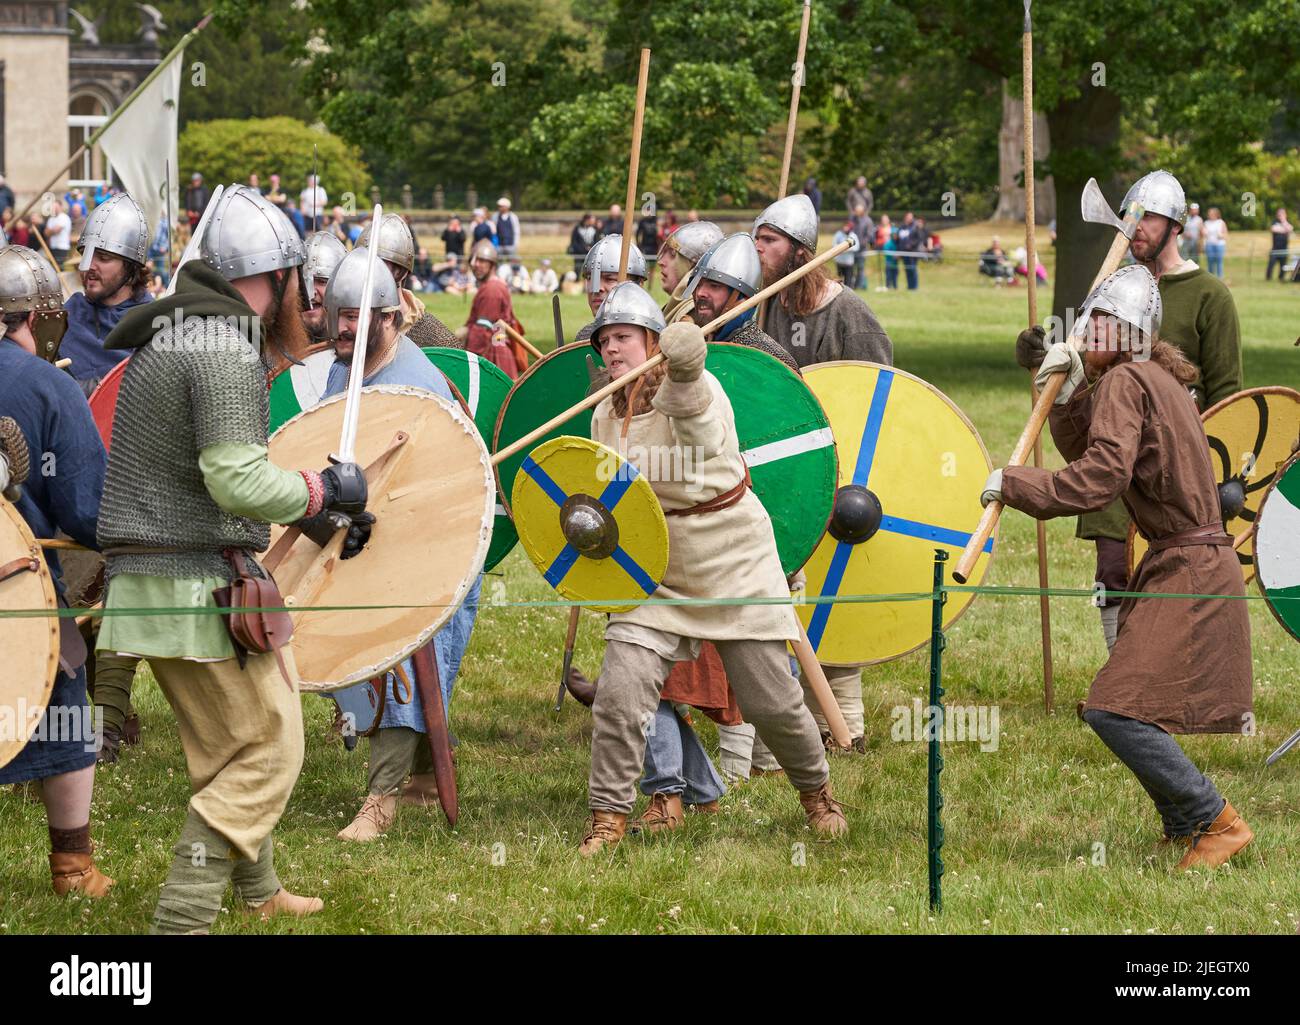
{"type": "Point", "coordinates": [1046, 834]}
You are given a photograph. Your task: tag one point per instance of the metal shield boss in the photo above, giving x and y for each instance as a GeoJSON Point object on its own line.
{"type": "Point", "coordinates": [1250, 435]}
{"type": "Point", "coordinates": [591, 523]}
{"type": "Point", "coordinates": [1277, 546]}
{"type": "Point", "coordinates": [911, 467]}
{"type": "Point", "coordinates": [30, 643]}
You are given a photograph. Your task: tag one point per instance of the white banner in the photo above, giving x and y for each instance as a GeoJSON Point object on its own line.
{"type": "Point", "coordinates": [141, 143]}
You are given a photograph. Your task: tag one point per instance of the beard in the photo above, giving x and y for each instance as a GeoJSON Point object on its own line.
{"type": "Point", "coordinates": [99, 288]}
{"type": "Point", "coordinates": [346, 345]}
{"type": "Point", "coordinates": [313, 322]}
{"type": "Point", "coordinates": [287, 334]}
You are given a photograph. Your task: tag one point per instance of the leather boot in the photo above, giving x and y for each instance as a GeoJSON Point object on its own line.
{"type": "Point", "coordinates": [110, 747]}
{"type": "Point", "coordinates": [604, 829]}
{"type": "Point", "coordinates": [663, 814]}
{"type": "Point", "coordinates": [1219, 841]}
{"type": "Point", "coordinates": [286, 903]}
{"type": "Point", "coordinates": [825, 814]}
{"type": "Point", "coordinates": [373, 820]}
{"type": "Point", "coordinates": [131, 730]}
{"type": "Point", "coordinates": [707, 808]}
{"type": "Point", "coordinates": [582, 689]}
{"type": "Point", "coordinates": [77, 872]}
{"type": "Point", "coordinates": [421, 791]}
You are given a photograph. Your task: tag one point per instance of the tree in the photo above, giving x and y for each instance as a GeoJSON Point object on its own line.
{"type": "Point", "coordinates": [229, 150]}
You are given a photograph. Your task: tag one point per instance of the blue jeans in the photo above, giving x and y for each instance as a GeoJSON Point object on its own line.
{"type": "Point", "coordinates": [909, 266]}
{"type": "Point", "coordinates": [891, 272]}
{"type": "Point", "coordinates": [1214, 257]}
{"type": "Point", "coordinates": [676, 762]}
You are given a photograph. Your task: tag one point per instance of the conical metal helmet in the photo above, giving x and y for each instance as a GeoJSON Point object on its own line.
{"type": "Point", "coordinates": [346, 289]}
{"type": "Point", "coordinates": [627, 303]}
{"type": "Point", "coordinates": [603, 257]}
{"type": "Point", "coordinates": [28, 283]}
{"type": "Point", "coordinates": [732, 262]}
{"type": "Point", "coordinates": [793, 216]}
{"type": "Point", "coordinates": [247, 234]}
{"type": "Point", "coordinates": [1158, 193]}
{"type": "Point", "coordinates": [484, 250]}
{"type": "Point", "coordinates": [324, 253]}
{"type": "Point", "coordinates": [1130, 295]}
{"type": "Point", "coordinates": [116, 226]}
{"type": "Point", "coordinates": [396, 243]}
{"type": "Point", "coordinates": [693, 239]}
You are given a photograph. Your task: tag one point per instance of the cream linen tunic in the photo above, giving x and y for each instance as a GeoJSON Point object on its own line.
{"type": "Point", "coordinates": [688, 451]}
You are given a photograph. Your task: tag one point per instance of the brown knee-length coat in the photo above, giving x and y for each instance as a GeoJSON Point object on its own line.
{"type": "Point", "coordinates": [1182, 664]}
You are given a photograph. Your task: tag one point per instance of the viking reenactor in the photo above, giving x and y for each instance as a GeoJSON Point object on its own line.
{"type": "Point", "coordinates": [817, 319]}
{"type": "Point", "coordinates": [1200, 319]}
{"type": "Point", "coordinates": [491, 303]}
{"type": "Point", "coordinates": [682, 250]}
{"type": "Point", "coordinates": [57, 429]}
{"type": "Point", "coordinates": [600, 274]}
{"type": "Point", "coordinates": [114, 270]}
{"type": "Point", "coordinates": [720, 543]}
{"type": "Point", "coordinates": [324, 252]}
{"type": "Point", "coordinates": [189, 497]}
{"type": "Point", "coordinates": [1178, 665]}
{"type": "Point", "coordinates": [396, 247]}
{"type": "Point", "coordinates": [398, 747]}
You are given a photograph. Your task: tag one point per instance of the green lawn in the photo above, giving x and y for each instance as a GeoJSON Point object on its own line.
{"type": "Point", "coordinates": [1046, 834]}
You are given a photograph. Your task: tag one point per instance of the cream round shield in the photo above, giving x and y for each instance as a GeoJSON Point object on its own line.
{"type": "Point", "coordinates": [1277, 546]}
{"type": "Point", "coordinates": [590, 522]}
{"type": "Point", "coordinates": [30, 643]}
{"type": "Point", "coordinates": [1250, 435]}
{"type": "Point", "coordinates": [431, 491]}
{"type": "Point", "coordinates": [911, 471]}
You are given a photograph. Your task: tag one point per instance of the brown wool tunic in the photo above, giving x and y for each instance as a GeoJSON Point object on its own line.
{"type": "Point", "coordinates": [1182, 664]}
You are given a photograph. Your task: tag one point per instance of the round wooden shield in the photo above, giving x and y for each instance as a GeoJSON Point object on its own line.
{"type": "Point", "coordinates": [1250, 435]}
{"type": "Point", "coordinates": [591, 523]}
{"type": "Point", "coordinates": [299, 387]}
{"type": "Point", "coordinates": [432, 498]}
{"type": "Point", "coordinates": [1277, 546]}
{"type": "Point", "coordinates": [483, 386]}
{"type": "Point", "coordinates": [911, 471]}
{"type": "Point", "coordinates": [786, 439]}
{"type": "Point", "coordinates": [30, 644]}
{"type": "Point", "coordinates": [103, 401]}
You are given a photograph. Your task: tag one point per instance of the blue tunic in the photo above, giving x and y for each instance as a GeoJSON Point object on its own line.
{"type": "Point", "coordinates": [62, 492]}
{"type": "Point", "coordinates": [413, 368]}
{"type": "Point", "coordinates": [88, 325]}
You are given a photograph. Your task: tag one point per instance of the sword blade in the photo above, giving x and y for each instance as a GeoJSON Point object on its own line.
{"type": "Point", "coordinates": [352, 408]}
{"type": "Point", "coordinates": [1284, 747]}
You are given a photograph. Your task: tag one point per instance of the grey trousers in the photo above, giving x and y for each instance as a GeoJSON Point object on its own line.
{"type": "Point", "coordinates": [628, 694]}
{"type": "Point", "coordinates": [395, 751]}
{"type": "Point", "coordinates": [1182, 795]}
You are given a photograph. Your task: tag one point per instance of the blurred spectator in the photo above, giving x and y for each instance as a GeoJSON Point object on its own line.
{"type": "Point", "coordinates": [692, 216]}
{"type": "Point", "coordinates": [933, 243]}
{"type": "Point", "coordinates": [1021, 259]}
{"type": "Point", "coordinates": [884, 230]}
{"type": "Point", "coordinates": [75, 203]}
{"type": "Point", "coordinates": [196, 199]}
{"type": "Point", "coordinates": [647, 240]}
{"type": "Point", "coordinates": [295, 216]}
{"type": "Point", "coordinates": [811, 190]}
{"type": "Point", "coordinates": [889, 246]}
{"type": "Point", "coordinates": [453, 238]}
{"type": "Point", "coordinates": [1281, 232]}
{"type": "Point", "coordinates": [614, 222]}
{"type": "Point", "coordinates": [860, 196]}
{"type": "Point", "coordinates": [516, 276]}
{"type": "Point", "coordinates": [337, 225]}
{"type": "Point", "coordinates": [910, 241]}
{"type": "Point", "coordinates": [994, 263]}
{"type": "Point", "coordinates": [58, 235]}
{"type": "Point", "coordinates": [275, 193]}
{"type": "Point", "coordinates": [507, 229]}
{"type": "Point", "coordinates": [668, 226]}
{"type": "Point", "coordinates": [844, 262]}
{"type": "Point", "coordinates": [1215, 233]}
{"type": "Point", "coordinates": [450, 276]}
{"type": "Point", "coordinates": [585, 234]}
{"type": "Point", "coordinates": [6, 196]}
{"type": "Point", "coordinates": [544, 279]}
{"type": "Point", "coordinates": [423, 265]}
{"type": "Point", "coordinates": [313, 202]}
{"type": "Point", "coordinates": [1189, 242]}
{"type": "Point", "coordinates": [480, 226]}
{"type": "Point", "coordinates": [865, 229]}
{"type": "Point", "coordinates": [20, 233]}
{"type": "Point", "coordinates": [255, 183]}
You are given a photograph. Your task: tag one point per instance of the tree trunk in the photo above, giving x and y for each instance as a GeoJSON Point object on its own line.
{"type": "Point", "coordinates": [1011, 164]}
{"type": "Point", "coordinates": [1085, 134]}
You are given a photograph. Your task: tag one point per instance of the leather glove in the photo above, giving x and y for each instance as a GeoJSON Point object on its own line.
{"type": "Point", "coordinates": [1060, 358]}
{"type": "Point", "coordinates": [345, 488]}
{"type": "Point", "coordinates": [358, 534]}
{"type": "Point", "coordinates": [1031, 347]}
{"type": "Point", "coordinates": [684, 347]}
{"type": "Point", "coordinates": [992, 488]}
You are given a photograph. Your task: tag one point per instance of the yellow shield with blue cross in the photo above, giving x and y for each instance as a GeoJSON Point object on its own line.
{"type": "Point", "coordinates": [911, 471]}
{"type": "Point", "coordinates": [591, 523]}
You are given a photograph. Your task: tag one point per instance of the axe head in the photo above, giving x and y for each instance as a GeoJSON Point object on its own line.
{"type": "Point", "coordinates": [1095, 210]}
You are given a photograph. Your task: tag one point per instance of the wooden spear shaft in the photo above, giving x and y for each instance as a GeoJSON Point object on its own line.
{"type": "Point", "coordinates": [1031, 263]}
{"type": "Point", "coordinates": [794, 100]}
{"type": "Point", "coordinates": [532, 349]}
{"type": "Point", "coordinates": [638, 120]}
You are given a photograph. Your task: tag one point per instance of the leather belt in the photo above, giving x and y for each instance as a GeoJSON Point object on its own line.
{"type": "Point", "coordinates": [1209, 534]}
{"type": "Point", "coordinates": [723, 501]}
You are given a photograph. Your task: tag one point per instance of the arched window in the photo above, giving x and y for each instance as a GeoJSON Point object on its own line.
{"type": "Point", "coordinates": [87, 111]}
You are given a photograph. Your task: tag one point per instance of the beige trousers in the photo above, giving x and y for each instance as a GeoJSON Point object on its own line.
{"type": "Point", "coordinates": [628, 694]}
{"type": "Point", "coordinates": [241, 730]}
